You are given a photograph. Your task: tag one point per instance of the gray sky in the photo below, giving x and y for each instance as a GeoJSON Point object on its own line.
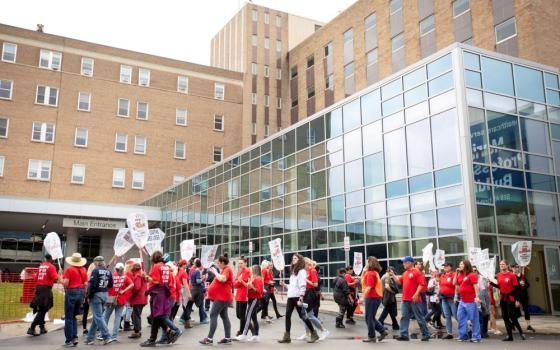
{"type": "Point", "coordinates": [180, 29]}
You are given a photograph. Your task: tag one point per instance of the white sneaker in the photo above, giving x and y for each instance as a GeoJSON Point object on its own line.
{"type": "Point", "coordinates": [254, 339]}
{"type": "Point", "coordinates": [302, 337]}
{"type": "Point", "coordinates": [324, 334]}
{"type": "Point", "coordinates": [241, 337]}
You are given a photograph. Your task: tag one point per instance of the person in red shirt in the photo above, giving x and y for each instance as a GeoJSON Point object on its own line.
{"type": "Point", "coordinates": [182, 283]}
{"type": "Point", "coordinates": [509, 299]}
{"type": "Point", "coordinates": [373, 293]}
{"type": "Point", "coordinates": [311, 298]}
{"type": "Point", "coordinates": [268, 279]}
{"type": "Point", "coordinates": [220, 293]}
{"type": "Point", "coordinates": [43, 300]}
{"type": "Point", "coordinates": [419, 265]}
{"type": "Point", "coordinates": [466, 282]}
{"type": "Point", "coordinates": [447, 298]}
{"type": "Point", "coordinates": [118, 296]}
{"type": "Point", "coordinates": [255, 294]}
{"type": "Point", "coordinates": [137, 298]}
{"type": "Point", "coordinates": [241, 294]}
{"type": "Point", "coordinates": [352, 283]}
{"type": "Point", "coordinates": [75, 281]}
{"type": "Point", "coordinates": [412, 282]}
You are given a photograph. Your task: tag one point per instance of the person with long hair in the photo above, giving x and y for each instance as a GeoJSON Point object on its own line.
{"type": "Point", "coordinates": [268, 279]}
{"type": "Point", "coordinates": [310, 299]}
{"type": "Point", "coordinates": [220, 292]}
{"type": "Point", "coordinates": [390, 290]}
{"type": "Point", "coordinates": [434, 314]}
{"type": "Point", "coordinates": [466, 283]}
{"type": "Point", "coordinates": [137, 298]}
{"type": "Point", "coordinates": [509, 299]}
{"type": "Point", "coordinates": [296, 291]}
{"type": "Point", "coordinates": [373, 293]}
{"type": "Point", "coordinates": [523, 294]}
{"type": "Point", "coordinates": [255, 295]}
{"type": "Point", "coordinates": [447, 298]}
{"type": "Point", "coordinates": [241, 294]}
{"type": "Point", "coordinates": [352, 284]}
{"type": "Point", "coordinates": [118, 297]}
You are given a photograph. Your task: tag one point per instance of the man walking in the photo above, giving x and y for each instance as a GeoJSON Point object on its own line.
{"type": "Point", "coordinates": [99, 283]}
{"type": "Point", "coordinates": [43, 300]}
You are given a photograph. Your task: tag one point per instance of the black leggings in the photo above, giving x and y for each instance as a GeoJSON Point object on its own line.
{"type": "Point", "coordinates": [509, 314]}
{"type": "Point", "coordinates": [137, 317]}
{"type": "Point", "coordinates": [525, 306]}
{"type": "Point", "coordinates": [158, 322]}
{"type": "Point", "coordinates": [85, 314]}
{"type": "Point", "coordinates": [252, 323]}
{"type": "Point", "coordinates": [267, 300]}
{"type": "Point", "coordinates": [241, 313]}
{"type": "Point", "coordinates": [292, 304]}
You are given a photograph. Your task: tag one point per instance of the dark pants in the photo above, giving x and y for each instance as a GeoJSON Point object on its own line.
{"type": "Point", "coordinates": [137, 317]}
{"type": "Point", "coordinates": [525, 306]}
{"type": "Point", "coordinates": [391, 310]}
{"type": "Point", "coordinates": [267, 300]}
{"type": "Point", "coordinates": [252, 323]}
{"type": "Point", "coordinates": [42, 302]}
{"type": "Point", "coordinates": [290, 306]}
{"type": "Point", "coordinates": [241, 313]}
{"type": "Point", "coordinates": [207, 304]}
{"type": "Point", "coordinates": [198, 300]}
{"type": "Point", "coordinates": [352, 307]}
{"type": "Point", "coordinates": [434, 314]}
{"type": "Point", "coordinates": [509, 314]}
{"type": "Point", "coordinates": [219, 308]}
{"type": "Point", "coordinates": [72, 302]}
{"type": "Point", "coordinates": [342, 310]}
{"type": "Point", "coordinates": [39, 319]}
{"type": "Point", "coordinates": [484, 318]}
{"type": "Point", "coordinates": [85, 313]}
{"type": "Point", "coordinates": [174, 311]}
{"type": "Point", "coordinates": [371, 305]}
{"type": "Point", "coordinates": [158, 322]}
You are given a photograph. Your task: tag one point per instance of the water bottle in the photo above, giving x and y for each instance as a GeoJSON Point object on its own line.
{"type": "Point", "coordinates": [305, 306]}
{"type": "Point", "coordinates": [479, 306]}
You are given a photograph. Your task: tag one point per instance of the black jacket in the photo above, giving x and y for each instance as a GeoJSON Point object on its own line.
{"type": "Point", "coordinates": [341, 291]}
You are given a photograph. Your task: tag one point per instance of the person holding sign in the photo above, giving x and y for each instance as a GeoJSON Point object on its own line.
{"type": "Point", "coordinates": [509, 299]}
{"type": "Point", "coordinates": [137, 298]}
{"type": "Point", "coordinates": [43, 300]}
{"type": "Point", "coordinates": [466, 282]}
{"type": "Point", "coordinates": [74, 281]}
{"type": "Point", "coordinates": [524, 293]}
{"type": "Point", "coordinates": [269, 287]}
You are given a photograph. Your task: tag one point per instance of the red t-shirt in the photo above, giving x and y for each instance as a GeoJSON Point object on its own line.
{"type": "Point", "coordinates": [221, 290]}
{"type": "Point", "coordinates": [425, 285]}
{"type": "Point", "coordinates": [240, 289]}
{"type": "Point", "coordinates": [160, 273]}
{"type": "Point", "coordinates": [47, 274]}
{"type": "Point", "coordinates": [372, 280]}
{"type": "Point", "coordinates": [349, 279]}
{"type": "Point", "coordinates": [120, 283]}
{"type": "Point", "coordinates": [76, 276]}
{"type": "Point", "coordinates": [313, 276]}
{"type": "Point", "coordinates": [172, 287]}
{"type": "Point", "coordinates": [258, 293]}
{"type": "Point", "coordinates": [466, 286]}
{"type": "Point", "coordinates": [410, 280]}
{"type": "Point", "coordinates": [267, 276]}
{"type": "Point", "coordinates": [181, 275]}
{"type": "Point", "coordinates": [446, 286]}
{"type": "Point", "coordinates": [507, 281]}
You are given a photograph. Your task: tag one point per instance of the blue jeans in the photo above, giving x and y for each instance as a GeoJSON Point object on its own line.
{"type": "Point", "coordinates": [371, 305]}
{"type": "Point", "coordinates": [466, 312]}
{"type": "Point", "coordinates": [409, 309]}
{"type": "Point", "coordinates": [96, 303]}
{"type": "Point", "coordinates": [311, 317]}
{"type": "Point", "coordinates": [73, 300]}
{"type": "Point", "coordinates": [168, 322]}
{"type": "Point", "coordinates": [128, 312]}
{"type": "Point", "coordinates": [449, 310]}
{"type": "Point", "coordinates": [424, 305]}
{"type": "Point", "coordinates": [117, 321]}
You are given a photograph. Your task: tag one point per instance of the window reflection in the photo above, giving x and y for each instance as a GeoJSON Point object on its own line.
{"type": "Point", "coordinates": [445, 136]}
{"type": "Point", "coordinates": [529, 83]}
{"type": "Point", "coordinates": [543, 211]}
{"type": "Point", "coordinates": [511, 211]}
{"type": "Point", "coordinates": [451, 220]}
{"type": "Point", "coordinates": [419, 147]}
{"type": "Point", "coordinates": [398, 228]}
{"type": "Point", "coordinates": [371, 107]}
{"type": "Point", "coordinates": [395, 155]}
{"type": "Point", "coordinates": [423, 224]}
{"type": "Point", "coordinates": [497, 75]}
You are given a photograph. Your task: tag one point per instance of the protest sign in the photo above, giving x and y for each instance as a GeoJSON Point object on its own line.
{"type": "Point", "coordinates": [53, 246]}
{"type": "Point", "coordinates": [276, 254]}
{"type": "Point", "coordinates": [358, 263]}
{"type": "Point", "coordinates": [187, 249]}
{"type": "Point", "coordinates": [521, 251]}
{"type": "Point", "coordinates": [208, 254]}
{"type": "Point", "coordinates": [428, 255]}
{"type": "Point", "coordinates": [155, 237]}
{"type": "Point", "coordinates": [138, 225]}
{"type": "Point", "coordinates": [439, 259]}
{"type": "Point", "coordinates": [123, 242]}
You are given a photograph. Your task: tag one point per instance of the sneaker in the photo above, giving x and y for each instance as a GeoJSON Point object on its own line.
{"type": "Point", "coordinates": [324, 334]}
{"type": "Point", "coordinates": [254, 339]}
{"type": "Point", "coordinates": [302, 337]}
{"type": "Point", "coordinates": [181, 321]}
{"type": "Point", "coordinates": [108, 341]}
{"type": "Point", "coordinates": [162, 341]}
{"type": "Point", "coordinates": [241, 337]}
{"type": "Point", "coordinates": [89, 342]}
{"type": "Point", "coordinates": [529, 328]}
{"type": "Point", "coordinates": [475, 341]}
{"type": "Point", "coordinates": [31, 331]}
{"type": "Point", "coordinates": [448, 336]}
{"type": "Point", "coordinates": [508, 339]}
{"type": "Point", "coordinates": [42, 330]}
{"type": "Point", "coordinates": [206, 341]}
{"type": "Point", "coordinates": [205, 321]}
{"type": "Point", "coordinates": [75, 342]}
{"type": "Point", "coordinates": [462, 340]}
{"type": "Point", "coordinates": [401, 338]}
{"type": "Point", "coordinates": [350, 321]}
{"type": "Point", "coordinates": [497, 332]}
{"type": "Point", "coordinates": [68, 345]}
{"type": "Point", "coordinates": [150, 343]}
{"type": "Point", "coordinates": [383, 335]}
{"type": "Point", "coordinates": [173, 336]}
{"type": "Point", "coordinates": [369, 340]}
{"type": "Point", "coordinates": [522, 336]}
{"type": "Point", "coordinates": [100, 338]}
{"type": "Point", "coordinates": [425, 338]}
{"type": "Point", "coordinates": [225, 341]}
{"type": "Point", "coordinates": [340, 325]}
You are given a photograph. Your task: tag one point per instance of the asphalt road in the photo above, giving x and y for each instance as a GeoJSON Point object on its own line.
{"type": "Point", "coordinates": [350, 338]}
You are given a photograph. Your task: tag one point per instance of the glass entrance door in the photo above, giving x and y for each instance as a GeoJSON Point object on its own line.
{"type": "Point", "coordinates": [552, 261]}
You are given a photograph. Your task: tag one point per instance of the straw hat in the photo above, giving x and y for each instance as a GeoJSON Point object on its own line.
{"type": "Point", "coordinates": [76, 260]}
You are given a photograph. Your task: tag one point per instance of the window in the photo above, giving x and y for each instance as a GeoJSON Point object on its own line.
{"type": "Point", "coordinates": [39, 170]}
{"type": "Point", "coordinates": [506, 30]}
{"type": "Point", "coordinates": [143, 77]}
{"type": "Point", "coordinates": [2, 161]}
{"type": "Point", "coordinates": [266, 130]}
{"type": "Point", "coordinates": [81, 137]}
{"type": "Point", "coordinates": [119, 175]}
{"type": "Point", "coordinates": [329, 82]}
{"type": "Point", "coordinates": [218, 153]}
{"type": "Point", "coordinates": [84, 101]}
{"type": "Point", "coordinates": [140, 144]}
{"type": "Point", "coordinates": [78, 174]}
{"type": "Point", "coordinates": [395, 5]}
{"type": "Point", "coordinates": [266, 18]}
{"type": "Point", "coordinates": [47, 95]}
{"type": "Point", "coordinates": [278, 21]}
{"type": "Point", "coordinates": [427, 25]}
{"type": "Point", "coordinates": [328, 49]}
{"type": "Point", "coordinates": [87, 67]}
{"type": "Point", "coordinates": [293, 72]}
{"type": "Point", "coordinates": [6, 89]}
{"type": "Point", "coordinates": [278, 74]}
{"type": "Point", "coordinates": [181, 116]}
{"type": "Point", "coordinates": [121, 142]}
{"type": "Point", "coordinates": [397, 42]}
{"type": "Point", "coordinates": [267, 43]}
{"type": "Point", "coordinates": [254, 15]}
{"type": "Point", "coordinates": [278, 46]}
{"type": "Point", "coordinates": [310, 61]}
{"type": "Point", "coordinates": [50, 60]}
{"type": "Point", "coordinates": [254, 40]}
{"type": "Point", "coordinates": [137, 179]}
{"type": "Point", "coordinates": [142, 109]}
{"type": "Point", "coordinates": [253, 98]}
{"type": "Point", "coordinates": [9, 52]}
{"type": "Point", "coordinates": [254, 129]}
{"type": "Point", "coordinates": [372, 57]}
{"type": "Point", "coordinates": [348, 35]}
{"type": "Point", "coordinates": [43, 132]}
{"type": "Point", "coordinates": [182, 84]}
{"type": "Point", "coordinates": [370, 22]}
{"type": "Point", "coordinates": [218, 122]}
{"type": "Point", "coordinates": [278, 102]}
{"type": "Point", "coordinates": [126, 74]}
{"type": "Point", "coordinates": [177, 179]}
{"type": "Point", "coordinates": [180, 150]}
{"type": "Point", "coordinates": [460, 7]}
{"type": "Point", "coordinates": [123, 107]}
{"type": "Point", "coordinates": [4, 125]}
{"type": "Point", "coordinates": [254, 68]}
{"type": "Point", "coordinates": [266, 100]}
{"type": "Point", "coordinates": [349, 70]}
{"type": "Point", "coordinates": [266, 71]}
{"type": "Point", "coordinates": [219, 91]}
{"type": "Point", "coordinates": [294, 102]}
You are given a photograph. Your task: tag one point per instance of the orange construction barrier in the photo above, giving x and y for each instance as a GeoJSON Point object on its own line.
{"type": "Point", "coordinates": [358, 310]}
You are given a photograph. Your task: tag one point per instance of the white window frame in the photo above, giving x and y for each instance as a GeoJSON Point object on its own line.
{"type": "Point", "coordinates": [75, 168]}
{"type": "Point", "coordinates": [137, 176]}
{"type": "Point", "coordinates": [391, 11]}
{"type": "Point", "coordinates": [278, 21]}
{"type": "Point", "coordinates": [278, 45]}
{"type": "Point", "coordinates": [49, 56]}
{"type": "Point", "coordinates": [177, 142]}
{"type": "Point", "coordinates": [44, 126]}
{"type": "Point", "coordinates": [278, 102]}
{"type": "Point", "coordinates": [122, 74]}
{"type": "Point", "coordinates": [136, 143]}
{"type": "Point", "coordinates": [266, 18]}
{"type": "Point", "coordinates": [253, 68]}
{"type": "Point", "coordinates": [503, 24]}
{"type": "Point", "coordinates": [76, 137]}
{"type": "Point", "coordinates": [40, 164]}
{"type": "Point", "coordinates": [117, 134]}
{"type": "Point", "coordinates": [278, 74]}
{"type": "Point", "coordinates": [4, 51]}
{"type": "Point", "coordinates": [433, 27]}
{"type": "Point", "coordinates": [48, 90]}
{"type": "Point", "coordinates": [80, 94]}
{"type": "Point", "coordinates": [266, 42]}
{"type": "Point", "coordinates": [222, 122]}
{"type": "Point", "coordinates": [455, 15]}
{"type": "Point", "coordinates": [215, 151]}
{"type": "Point", "coordinates": [138, 103]}
{"type": "Point", "coordinates": [144, 77]}
{"type": "Point", "coordinates": [266, 71]}
{"type": "Point", "coordinates": [82, 71]}
{"type": "Point", "coordinates": [177, 110]}
{"type": "Point", "coordinates": [401, 34]}
{"type": "Point", "coordinates": [127, 115]}
{"type": "Point", "coordinates": [177, 179]}
{"type": "Point", "coordinates": [217, 87]}
{"type": "Point", "coordinates": [254, 129]}
{"type": "Point", "coordinates": [266, 100]}
{"type": "Point", "coordinates": [254, 40]}
{"type": "Point", "coordinates": [7, 127]}
{"type": "Point", "coordinates": [376, 57]}
{"type": "Point", "coordinates": [11, 88]}
{"type": "Point", "coordinates": [2, 161]}
{"type": "Point", "coordinates": [186, 88]}
{"type": "Point", "coordinates": [254, 15]}
{"type": "Point", "coordinates": [266, 130]}
{"type": "Point", "coordinates": [253, 98]}
{"type": "Point", "coordinates": [116, 176]}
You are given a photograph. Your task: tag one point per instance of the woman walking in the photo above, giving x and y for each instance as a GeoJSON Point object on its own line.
{"type": "Point", "coordinates": [220, 294]}
{"type": "Point", "coordinates": [255, 294]}
{"type": "Point", "coordinates": [310, 300]}
{"type": "Point", "coordinates": [268, 279]}
{"type": "Point", "coordinates": [509, 299]}
{"type": "Point", "coordinates": [466, 282]}
{"type": "Point", "coordinates": [137, 298]}
{"type": "Point", "coordinates": [390, 290]}
{"type": "Point", "coordinates": [373, 294]}
{"type": "Point", "coordinates": [296, 291]}
{"type": "Point", "coordinates": [74, 281]}
{"type": "Point", "coordinates": [241, 290]}
{"type": "Point", "coordinates": [447, 298]}
{"type": "Point", "coordinates": [434, 315]}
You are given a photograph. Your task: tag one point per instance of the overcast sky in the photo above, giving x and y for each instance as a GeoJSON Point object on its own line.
{"type": "Point", "coordinates": [180, 29]}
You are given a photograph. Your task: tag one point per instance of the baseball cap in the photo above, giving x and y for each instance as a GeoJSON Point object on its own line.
{"type": "Point", "coordinates": [119, 266]}
{"type": "Point", "coordinates": [182, 262]}
{"type": "Point", "coordinates": [407, 259]}
{"type": "Point", "coordinates": [99, 258]}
